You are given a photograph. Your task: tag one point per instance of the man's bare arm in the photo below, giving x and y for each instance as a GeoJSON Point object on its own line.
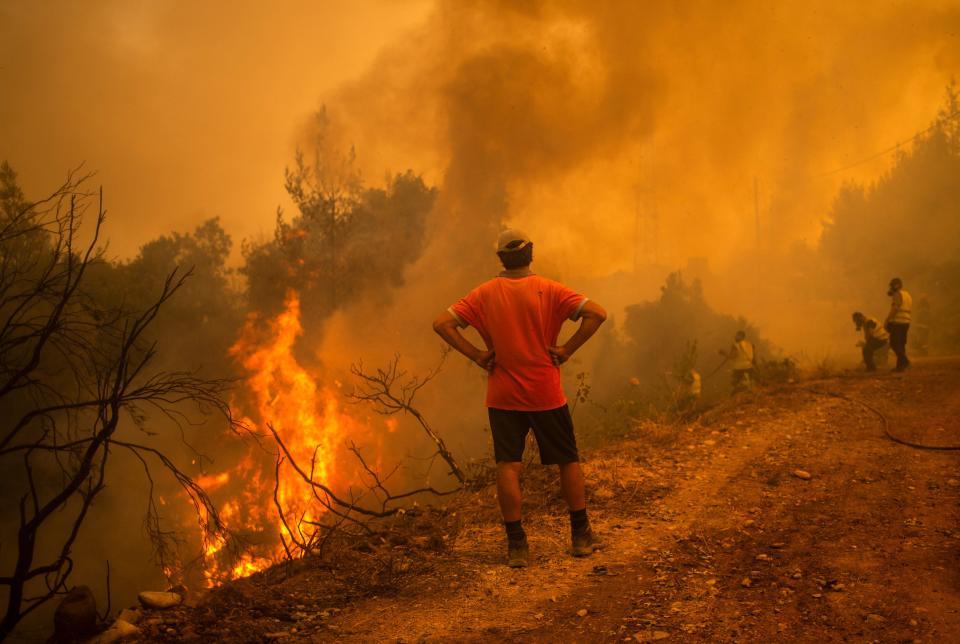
{"type": "Point", "coordinates": [591, 317]}
{"type": "Point", "coordinates": [448, 328]}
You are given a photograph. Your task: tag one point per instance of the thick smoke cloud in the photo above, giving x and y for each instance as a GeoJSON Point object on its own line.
{"type": "Point", "coordinates": [554, 113]}
{"type": "Point", "coordinates": [631, 134]}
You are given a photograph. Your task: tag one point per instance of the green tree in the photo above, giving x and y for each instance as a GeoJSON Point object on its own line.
{"type": "Point", "coordinates": [198, 327]}
{"type": "Point", "coordinates": [346, 241]}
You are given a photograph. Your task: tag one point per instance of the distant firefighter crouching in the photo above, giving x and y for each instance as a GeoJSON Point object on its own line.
{"type": "Point", "coordinates": [688, 396]}
{"type": "Point", "coordinates": [875, 339]}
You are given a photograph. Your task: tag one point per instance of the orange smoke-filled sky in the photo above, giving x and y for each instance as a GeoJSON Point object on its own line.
{"type": "Point", "coordinates": [186, 110]}
{"type": "Point", "coordinates": [568, 118]}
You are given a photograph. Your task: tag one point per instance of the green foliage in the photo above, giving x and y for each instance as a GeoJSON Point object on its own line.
{"type": "Point", "coordinates": [333, 256]}
{"type": "Point", "coordinates": [685, 361]}
{"type": "Point", "coordinates": [12, 200]}
{"type": "Point", "coordinates": [198, 326]}
{"type": "Point", "coordinates": [26, 241]}
{"type": "Point", "coordinates": [582, 394]}
{"type": "Point", "coordinates": [78, 379]}
{"type": "Point", "coordinates": [347, 241]}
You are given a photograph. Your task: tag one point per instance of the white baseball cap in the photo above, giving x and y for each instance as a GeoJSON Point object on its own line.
{"type": "Point", "coordinates": [511, 240]}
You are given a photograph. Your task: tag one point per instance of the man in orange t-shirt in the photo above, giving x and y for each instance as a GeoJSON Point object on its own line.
{"type": "Point", "coordinates": [519, 315]}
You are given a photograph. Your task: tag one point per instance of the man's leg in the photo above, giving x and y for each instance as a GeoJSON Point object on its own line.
{"type": "Point", "coordinates": [509, 429]}
{"type": "Point", "coordinates": [906, 360]}
{"type": "Point", "coordinates": [571, 484]}
{"type": "Point", "coordinates": [739, 376]}
{"type": "Point", "coordinates": [508, 495]}
{"type": "Point", "coordinates": [508, 490]}
{"type": "Point", "coordinates": [895, 343]}
{"type": "Point", "coordinates": [898, 342]}
{"type": "Point", "coordinates": [558, 446]}
{"type": "Point", "coordinates": [868, 348]}
{"type": "Point", "coordinates": [583, 541]}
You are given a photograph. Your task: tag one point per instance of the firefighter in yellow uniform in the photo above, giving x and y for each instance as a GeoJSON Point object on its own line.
{"type": "Point", "coordinates": [898, 321]}
{"type": "Point", "coordinates": [691, 386]}
{"type": "Point", "coordinates": [741, 357]}
{"type": "Point", "coordinates": [875, 338]}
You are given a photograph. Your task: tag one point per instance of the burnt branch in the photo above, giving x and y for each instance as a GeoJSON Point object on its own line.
{"type": "Point", "coordinates": [281, 513]}
{"type": "Point", "coordinates": [325, 494]}
{"type": "Point", "coordinates": [73, 371]}
{"type": "Point", "coordinates": [378, 483]}
{"type": "Point", "coordinates": [390, 391]}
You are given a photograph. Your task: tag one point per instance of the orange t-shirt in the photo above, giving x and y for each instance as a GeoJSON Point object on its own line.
{"type": "Point", "coordinates": [519, 317]}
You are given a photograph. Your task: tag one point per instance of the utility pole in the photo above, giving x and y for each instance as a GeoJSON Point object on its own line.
{"type": "Point", "coordinates": [646, 223]}
{"type": "Point", "coordinates": [756, 222]}
{"type": "Point", "coordinates": [756, 210]}
{"type": "Point", "coordinates": [636, 220]}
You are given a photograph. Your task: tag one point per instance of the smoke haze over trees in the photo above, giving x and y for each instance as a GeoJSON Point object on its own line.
{"type": "Point", "coordinates": [906, 224]}
{"type": "Point", "coordinates": [664, 338]}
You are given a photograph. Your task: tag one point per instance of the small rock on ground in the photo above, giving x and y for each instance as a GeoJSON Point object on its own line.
{"type": "Point", "coordinates": [159, 600]}
{"type": "Point", "coordinates": [120, 630]}
{"type": "Point", "coordinates": [76, 616]}
{"type": "Point", "coordinates": [130, 615]}
{"type": "Point", "coordinates": [651, 636]}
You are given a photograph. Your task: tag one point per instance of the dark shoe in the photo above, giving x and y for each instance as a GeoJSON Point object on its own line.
{"type": "Point", "coordinates": [518, 552]}
{"type": "Point", "coordinates": [584, 543]}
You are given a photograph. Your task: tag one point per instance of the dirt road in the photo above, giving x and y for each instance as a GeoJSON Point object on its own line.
{"type": "Point", "coordinates": [716, 533]}
{"type": "Point", "coordinates": [784, 515]}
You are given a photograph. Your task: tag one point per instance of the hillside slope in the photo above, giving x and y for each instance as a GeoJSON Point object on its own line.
{"type": "Point", "coordinates": [711, 535]}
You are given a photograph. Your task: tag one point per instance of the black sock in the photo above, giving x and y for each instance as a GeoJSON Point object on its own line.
{"type": "Point", "coordinates": [579, 521]}
{"type": "Point", "coordinates": [514, 530]}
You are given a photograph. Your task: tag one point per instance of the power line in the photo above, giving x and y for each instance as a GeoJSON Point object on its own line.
{"type": "Point", "coordinates": [913, 138]}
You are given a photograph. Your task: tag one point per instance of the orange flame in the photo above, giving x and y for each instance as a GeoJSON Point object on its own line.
{"type": "Point", "coordinates": [307, 418]}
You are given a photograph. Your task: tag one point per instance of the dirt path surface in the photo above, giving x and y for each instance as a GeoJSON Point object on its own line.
{"type": "Point", "coordinates": [782, 515]}
{"type": "Point", "coordinates": [718, 534]}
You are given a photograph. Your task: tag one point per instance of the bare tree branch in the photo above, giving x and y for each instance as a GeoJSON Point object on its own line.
{"type": "Point", "coordinates": [388, 396]}
{"type": "Point", "coordinates": [379, 390]}
{"type": "Point", "coordinates": [72, 371]}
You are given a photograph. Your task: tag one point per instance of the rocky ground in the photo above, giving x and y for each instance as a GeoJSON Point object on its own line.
{"type": "Point", "coordinates": [782, 515]}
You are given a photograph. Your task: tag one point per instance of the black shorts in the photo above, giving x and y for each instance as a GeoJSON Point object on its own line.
{"type": "Point", "coordinates": [553, 430]}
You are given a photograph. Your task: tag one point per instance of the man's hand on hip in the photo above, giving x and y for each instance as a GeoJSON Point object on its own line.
{"type": "Point", "coordinates": [559, 355]}
{"type": "Point", "coordinates": [487, 360]}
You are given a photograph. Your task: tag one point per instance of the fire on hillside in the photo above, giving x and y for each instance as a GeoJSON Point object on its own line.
{"type": "Point", "coordinates": [267, 503]}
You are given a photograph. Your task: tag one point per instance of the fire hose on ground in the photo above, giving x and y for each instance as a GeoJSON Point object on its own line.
{"type": "Point", "coordinates": [883, 420]}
